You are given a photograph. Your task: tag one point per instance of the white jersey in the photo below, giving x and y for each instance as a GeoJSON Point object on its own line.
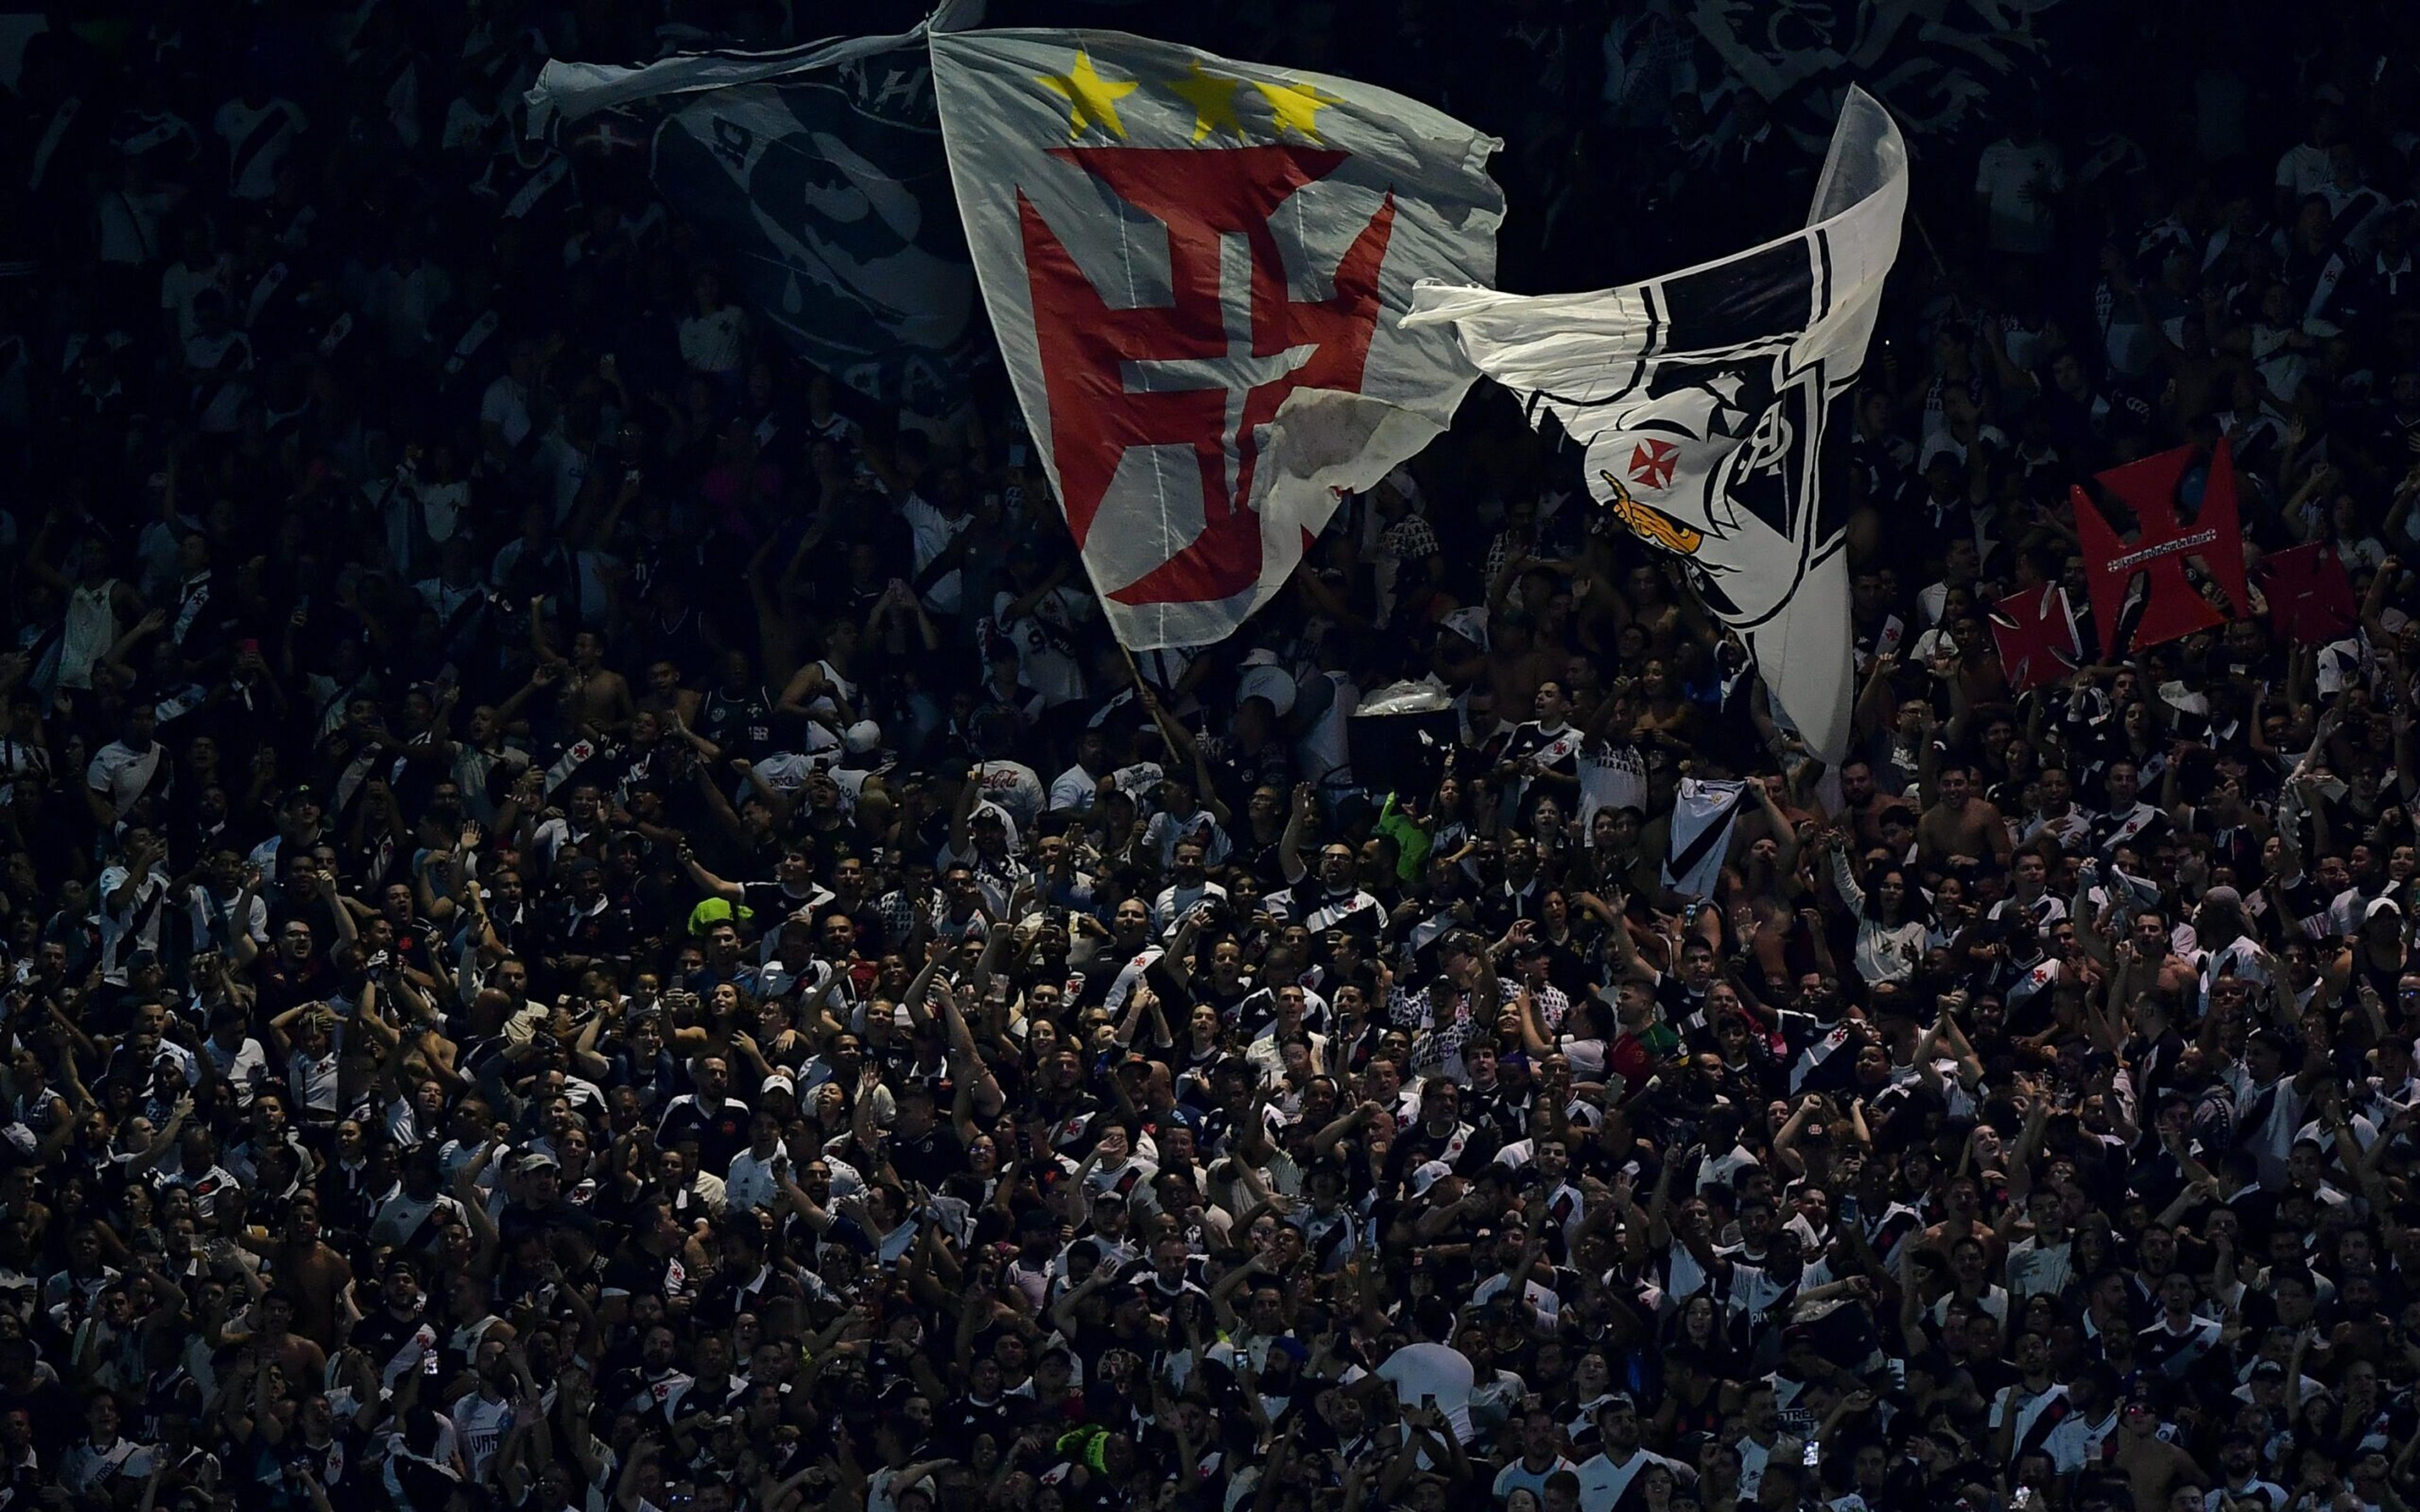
{"type": "Point", "coordinates": [479, 1425]}
{"type": "Point", "coordinates": [1046, 639]}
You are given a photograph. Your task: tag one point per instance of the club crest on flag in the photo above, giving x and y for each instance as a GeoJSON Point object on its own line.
{"type": "Point", "coordinates": [1197, 270]}
{"type": "Point", "coordinates": [1650, 525]}
{"type": "Point", "coordinates": [1651, 463]}
{"type": "Point", "coordinates": [1202, 200]}
{"type": "Point", "coordinates": [1707, 390]}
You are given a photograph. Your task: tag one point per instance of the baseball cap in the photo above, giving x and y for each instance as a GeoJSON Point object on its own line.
{"type": "Point", "coordinates": [1427, 1175]}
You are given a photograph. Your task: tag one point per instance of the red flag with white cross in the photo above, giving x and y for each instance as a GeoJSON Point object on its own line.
{"type": "Point", "coordinates": [2172, 604]}
{"type": "Point", "coordinates": [1197, 269]}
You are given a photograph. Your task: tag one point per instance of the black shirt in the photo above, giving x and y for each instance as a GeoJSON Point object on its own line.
{"type": "Point", "coordinates": [931, 1157]}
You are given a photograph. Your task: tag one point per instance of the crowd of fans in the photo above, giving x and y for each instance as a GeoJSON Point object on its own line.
{"type": "Point", "coordinates": [589, 924]}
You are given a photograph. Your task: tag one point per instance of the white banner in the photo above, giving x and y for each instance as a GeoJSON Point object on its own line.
{"type": "Point", "coordinates": [1701, 397]}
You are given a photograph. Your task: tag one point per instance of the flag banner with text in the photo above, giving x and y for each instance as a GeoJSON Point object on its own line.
{"type": "Point", "coordinates": [2141, 585]}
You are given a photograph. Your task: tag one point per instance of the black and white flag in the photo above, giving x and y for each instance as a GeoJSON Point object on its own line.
{"type": "Point", "coordinates": [821, 172]}
{"type": "Point", "coordinates": [1703, 815]}
{"type": "Point", "coordinates": [1945, 68]}
{"type": "Point", "coordinates": [1700, 398]}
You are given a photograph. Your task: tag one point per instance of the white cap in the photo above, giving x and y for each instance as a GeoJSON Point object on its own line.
{"type": "Point", "coordinates": [1267, 681]}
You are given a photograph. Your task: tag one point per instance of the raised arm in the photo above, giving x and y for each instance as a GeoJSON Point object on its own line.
{"type": "Point", "coordinates": [1297, 830]}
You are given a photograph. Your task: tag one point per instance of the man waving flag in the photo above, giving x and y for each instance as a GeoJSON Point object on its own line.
{"type": "Point", "coordinates": [1196, 270]}
{"type": "Point", "coordinates": [1700, 397]}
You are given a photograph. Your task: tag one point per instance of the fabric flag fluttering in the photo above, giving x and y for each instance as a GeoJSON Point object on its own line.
{"type": "Point", "coordinates": [2034, 630]}
{"type": "Point", "coordinates": [819, 172]}
{"type": "Point", "coordinates": [1700, 397]}
{"type": "Point", "coordinates": [2171, 607]}
{"type": "Point", "coordinates": [2310, 594]}
{"type": "Point", "coordinates": [1703, 815]}
{"type": "Point", "coordinates": [1196, 270]}
{"type": "Point", "coordinates": [1939, 65]}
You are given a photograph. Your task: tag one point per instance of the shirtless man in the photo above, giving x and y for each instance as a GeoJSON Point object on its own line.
{"type": "Point", "coordinates": [1862, 802]}
{"type": "Point", "coordinates": [1960, 827]}
{"type": "Point", "coordinates": [1516, 664]}
{"type": "Point", "coordinates": [665, 696]}
{"type": "Point", "coordinates": [595, 699]}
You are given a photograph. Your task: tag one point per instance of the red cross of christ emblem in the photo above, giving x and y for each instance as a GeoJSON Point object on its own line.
{"type": "Point", "coordinates": [2310, 594]}
{"type": "Point", "coordinates": [1201, 388]}
{"type": "Point", "coordinates": [2173, 607]}
{"type": "Point", "coordinates": [1652, 464]}
{"type": "Point", "coordinates": [2035, 635]}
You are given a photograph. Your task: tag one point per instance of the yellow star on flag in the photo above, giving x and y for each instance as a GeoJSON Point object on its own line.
{"type": "Point", "coordinates": [1092, 100]}
{"type": "Point", "coordinates": [1297, 107]}
{"type": "Point", "coordinates": [1213, 100]}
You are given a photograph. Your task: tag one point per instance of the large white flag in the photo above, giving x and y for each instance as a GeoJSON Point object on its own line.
{"type": "Point", "coordinates": [816, 174]}
{"type": "Point", "coordinates": [1196, 270]}
{"type": "Point", "coordinates": [1701, 397]}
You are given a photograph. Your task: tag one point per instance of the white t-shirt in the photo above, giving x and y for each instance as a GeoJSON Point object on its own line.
{"type": "Point", "coordinates": [1044, 637]}
{"type": "Point", "coordinates": [181, 282]}
{"type": "Point", "coordinates": [1603, 1483]}
{"type": "Point", "coordinates": [2303, 169]}
{"type": "Point", "coordinates": [86, 1468]}
{"type": "Point", "coordinates": [1074, 789]}
{"type": "Point", "coordinates": [506, 405]}
{"type": "Point", "coordinates": [480, 1424]}
{"type": "Point", "coordinates": [1517, 1476]}
{"type": "Point", "coordinates": [312, 1081]}
{"type": "Point", "coordinates": [120, 773]}
{"type": "Point", "coordinates": [257, 140]}
{"type": "Point", "coordinates": [1611, 777]}
{"type": "Point", "coordinates": [712, 343]}
{"type": "Point", "coordinates": [932, 533]}
{"type": "Point", "coordinates": [134, 925]}
{"type": "Point", "coordinates": [749, 1183]}
{"type": "Point", "coordinates": [2019, 221]}
{"type": "Point", "coordinates": [245, 1068]}
{"type": "Point", "coordinates": [1017, 787]}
